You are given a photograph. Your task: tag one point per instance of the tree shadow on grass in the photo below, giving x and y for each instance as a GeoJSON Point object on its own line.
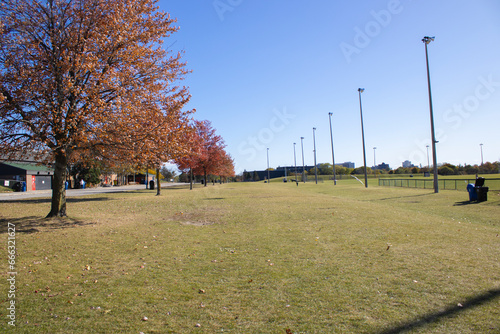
{"type": "Point", "coordinates": [449, 312]}
{"type": "Point", "coordinates": [399, 197]}
{"type": "Point", "coordinates": [465, 203]}
{"type": "Point", "coordinates": [33, 224]}
{"type": "Point", "coordinates": [49, 200]}
{"type": "Point", "coordinates": [179, 187]}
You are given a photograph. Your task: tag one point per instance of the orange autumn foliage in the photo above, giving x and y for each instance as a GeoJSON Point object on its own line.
{"type": "Point", "coordinates": [89, 78]}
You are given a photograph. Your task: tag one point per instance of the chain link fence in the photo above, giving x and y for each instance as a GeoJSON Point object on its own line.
{"type": "Point", "coordinates": [447, 184]}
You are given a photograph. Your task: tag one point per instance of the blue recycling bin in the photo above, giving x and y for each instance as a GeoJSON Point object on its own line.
{"type": "Point", "coordinates": [471, 189]}
{"type": "Point", "coordinates": [23, 186]}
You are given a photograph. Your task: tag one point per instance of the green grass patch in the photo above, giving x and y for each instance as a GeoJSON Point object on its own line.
{"type": "Point", "coordinates": [257, 258]}
{"type": "Point", "coordinates": [5, 189]}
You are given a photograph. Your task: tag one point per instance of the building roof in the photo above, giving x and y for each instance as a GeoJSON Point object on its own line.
{"type": "Point", "coordinates": [28, 166]}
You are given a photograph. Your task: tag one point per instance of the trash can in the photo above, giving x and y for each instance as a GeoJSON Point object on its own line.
{"type": "Point", "coordinates": [471, 189]}
{"type": "Point", "coordinates": [482, 192]}
{"type": "Point", "coordinates": [152, 185]}
{"type": "Point", "coordinates": [17, 186]}
{"type": "Point", "coordinates": [23, 186]}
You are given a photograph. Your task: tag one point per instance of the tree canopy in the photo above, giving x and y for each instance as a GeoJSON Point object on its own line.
{"type": "Point", "coordinates": [89, 78]}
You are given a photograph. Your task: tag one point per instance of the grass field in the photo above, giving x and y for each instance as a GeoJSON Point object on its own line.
{"type": "Point", "coordinates": [257, 258]}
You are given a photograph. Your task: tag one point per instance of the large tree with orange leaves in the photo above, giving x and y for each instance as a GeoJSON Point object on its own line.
{"type": "Point", "coordinates": [87, 78]}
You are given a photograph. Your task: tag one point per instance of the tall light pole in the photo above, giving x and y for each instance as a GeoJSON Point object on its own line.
{"type": "Point", "coordinates": [303, 166]}
{"type": "Point", "coordinates": [374, 161]}
{"type": "Point", "coordinates": [268, 179]}
{"type": "Point", "coordinates": [315, 167]}
{"type": "Point", "coordinates": [426, 41]}
{"type": "Point", "coordinates": [295, 161]}
{"type": "Point", "coordinates": [481, 145]}
{"type": "Point", "coordinates": [428, 163]}
{"type": "Point", "coordinates": [361, 90]}
{"type": "Point", "coordinates": [333, 155]}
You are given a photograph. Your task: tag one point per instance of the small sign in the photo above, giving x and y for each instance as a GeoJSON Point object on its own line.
{"type": "Point", "coordinates": [6, 183]}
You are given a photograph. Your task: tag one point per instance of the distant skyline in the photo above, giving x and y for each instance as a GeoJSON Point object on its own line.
{"type": "Point", "coordinates": [265, 73]}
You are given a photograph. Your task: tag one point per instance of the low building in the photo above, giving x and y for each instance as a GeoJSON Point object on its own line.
{"type": "Point", "coordinates": [37, 177]}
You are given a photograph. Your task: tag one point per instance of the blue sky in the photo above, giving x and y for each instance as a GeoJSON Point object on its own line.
{"type": "Point", "coordinates": [266, 72]}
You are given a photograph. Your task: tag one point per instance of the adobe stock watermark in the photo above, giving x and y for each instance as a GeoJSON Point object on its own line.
{"type": "Point", "coordinates": [265, 136]}
{"type": "Point", "coordinates": [364, 36]}
{"type": "Point", "coordinates": [223, 6]}
{"type": "Point", "coordinates": [11, 274]}
{"type": "Point", "coordinates": [458, 113]}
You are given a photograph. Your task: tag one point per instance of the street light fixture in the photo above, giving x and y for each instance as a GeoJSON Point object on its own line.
{"type": "Point", "coordinates": [315, 167]}
{"type": "Point", "coordinates": [426, 41]}
{"type": "Point", "coordinates": [303, 165]}
{"type": "Point", "coordinates": [268, 179]}
{"type": "Point", "coordinates": [428, 164]}
{"type": "Point", "coordinates": [481, 145]}
{"type": "Point", "coordinates": [361, 90]}
{"type": "Point", "coordinates": [333, 155]}
{"type": "Point", "coordinates": [374, 161]}
{"type": "Point", "coordinates": [295, 161]}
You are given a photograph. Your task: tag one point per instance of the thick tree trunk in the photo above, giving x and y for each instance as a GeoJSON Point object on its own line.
{"type": "Point", "coordinates": [190, 179]}
{"type": "Point", "coordinates": [58, 208]}
{"type": "Point", "coordinates": [158, 184]}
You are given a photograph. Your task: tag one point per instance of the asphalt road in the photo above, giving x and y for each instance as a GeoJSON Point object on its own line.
{"type": "Point", "coordinates": [77, 192]}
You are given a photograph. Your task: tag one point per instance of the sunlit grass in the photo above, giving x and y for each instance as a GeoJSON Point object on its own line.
{"type": "Point", "coordinates": [257, 258]}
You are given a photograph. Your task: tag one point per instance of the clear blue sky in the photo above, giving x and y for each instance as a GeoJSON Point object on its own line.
{"type": "Point", "coordinates": [266, 72]}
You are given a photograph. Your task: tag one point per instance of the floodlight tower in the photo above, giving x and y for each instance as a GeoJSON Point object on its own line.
{"type": "Point", "coordinates": [315, 167]}
{"type": "Point", "coordinates": [481, 145]}
{"type": "Point", "coordinates": [303, 165]}
{"type": "Point", "coordinates": [361, 90]}
{"type": "Point", "coordinates": [333, 155]}
{"type": "Point", "coordinates": [268, 179]}
{"type": "Point", "coordinates": [295, 162]}
{"type": "Point", "coordinates": [428, 164]}
{"type": "Point", "coordinates": [426, 41]}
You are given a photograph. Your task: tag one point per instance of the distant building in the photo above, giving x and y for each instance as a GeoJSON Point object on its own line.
{"type": "Point", "coordinates": [347, 164]}
{"type": "Point", "coordinates": [382, 166]}
{"type": "Point", "coordinates": [407, 164]}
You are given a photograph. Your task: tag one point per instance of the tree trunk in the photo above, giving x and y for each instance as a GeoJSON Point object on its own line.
{"type": "Point", "coordinates": [205, 175]}
{"type": "Point", "coordinates": [158, 185]}
{"type": "Point", "coordinates": [190, 179]}
{"type": "Point", "coordinates": [58, 208]}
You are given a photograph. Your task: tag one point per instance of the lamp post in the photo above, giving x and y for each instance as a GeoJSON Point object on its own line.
{"type": "Point", "coordinates": [374, 161]}
{"type": "Point", "coordinates": [361, 90]}
{"type": "Point", "coordinates": [333, 155]}
{"type": "Point", "coordinates": [428, 164]}
{"type": "Point", "coordinates": [295, 162]}
{"type": "Point", "coordinates": [303, 166]}
{"type": "Point", "coordinates": [426, 41]}
{"type": "Point", "coordinates": [315, 166]}
{"type": "Point", "coordinates": [268, 179]}
{"type": "Point", "coordinates": [481, 145]}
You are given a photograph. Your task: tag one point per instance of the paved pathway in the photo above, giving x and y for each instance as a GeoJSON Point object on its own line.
{"type": "Point", "coordinates": [77, 192]}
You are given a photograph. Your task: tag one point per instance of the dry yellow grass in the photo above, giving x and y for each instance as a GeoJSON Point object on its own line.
{"type": "Point", "coordinates": [258, 258]}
